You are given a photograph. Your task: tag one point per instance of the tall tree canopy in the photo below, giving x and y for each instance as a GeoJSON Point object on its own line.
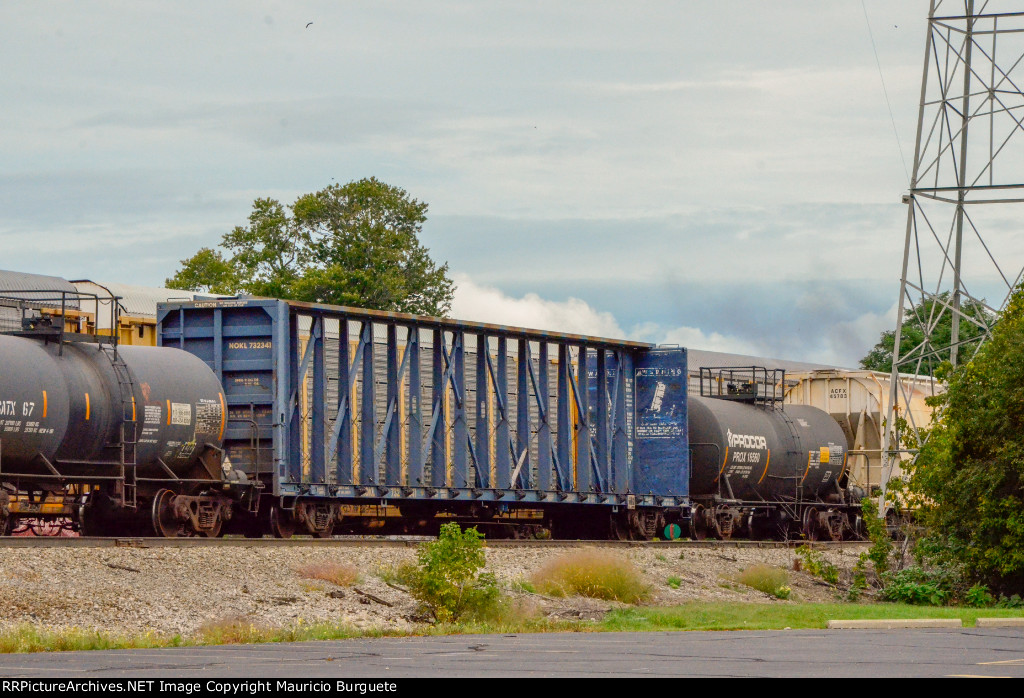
{"type": "Point", "coordinates": [928, 313]}
{"type": "Point", "coordinates": [355, 244]}
{"type": "Point", "coordinates": [969, 475]}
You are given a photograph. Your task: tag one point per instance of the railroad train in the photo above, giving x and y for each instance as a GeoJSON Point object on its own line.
{"type": "Point", "coordinates": [266, 417]}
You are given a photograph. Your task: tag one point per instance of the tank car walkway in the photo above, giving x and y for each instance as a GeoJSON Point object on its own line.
{"type": "Point", "coordinates": [805, 653]}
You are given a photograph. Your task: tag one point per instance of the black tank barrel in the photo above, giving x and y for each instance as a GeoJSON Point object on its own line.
{"type": "Point", "coordinates": [68, 405]}
{"type": "Point", "coordinates": [752, 452]}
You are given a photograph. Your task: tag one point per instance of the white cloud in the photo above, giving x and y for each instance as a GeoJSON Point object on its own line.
{"type": "Point", "coordinates": [479, 303]}
{"type": "Point", "coordinates": [849, 341]}
{"type": "Point", "coordinates": [694, 338]}
{"type": "Point", "coordinates": [487, 304]}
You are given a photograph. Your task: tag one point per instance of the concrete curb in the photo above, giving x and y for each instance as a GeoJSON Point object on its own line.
{"type": "Point", "coordinates": [895, 623]}
{"type": "Point", "coordinates": [1001, 622]}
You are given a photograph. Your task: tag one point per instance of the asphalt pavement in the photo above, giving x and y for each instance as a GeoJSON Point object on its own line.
{"type": "Point", "coordinates": [792, 653]}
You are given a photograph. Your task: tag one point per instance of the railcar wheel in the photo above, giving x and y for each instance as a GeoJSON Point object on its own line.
{"type": "Point", "coordinates": [857, 528]}
{"type": "Point", "coordinates": [94, 513]}
{"type": "Point", "coordinates": [165, 523]}
{"type": "Point", "coordinates": [810, 524]}
{"type": "Point", "coordinates": [753, 525]}
{"type": "Point", "coordinates": [765, 528]}
{"type": "Point", "coordinates": [699, 523]}
{"type": "Point", "coordinates": [281, 523]}
{"type": "Point", "coordinates": [618, 531]}
{"type": "Point", "coordinates": [5, 511]}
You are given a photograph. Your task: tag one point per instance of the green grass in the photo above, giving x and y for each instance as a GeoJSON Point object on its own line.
{"type": "Point", "coordinates": [29, 638]}
{"type": "Point", "coordinates": [747, 616]}
{"type": "Point", "coordinates": [689, 616]}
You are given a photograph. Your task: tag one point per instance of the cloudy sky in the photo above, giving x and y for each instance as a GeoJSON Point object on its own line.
{"type": "Point", "coordinates": [720, 175]}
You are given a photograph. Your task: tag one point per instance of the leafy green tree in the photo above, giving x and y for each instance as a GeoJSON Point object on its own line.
{"type": "Point", "coordinates": [355, 244]}
{"type": "Point", "coordinates": [926, 313]}
{"type": "Point", "coordinates": [969, 474]}
{"type": "Point", "coordinates": [206, 271]}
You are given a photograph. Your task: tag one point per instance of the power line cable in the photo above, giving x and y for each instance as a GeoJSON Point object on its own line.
{"type": "Point", "coordinates": [888, 104]}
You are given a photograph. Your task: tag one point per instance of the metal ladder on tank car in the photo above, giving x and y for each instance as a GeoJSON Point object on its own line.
{"type": "Point", "coordinates": [797, 508]}
{"type": "Point", "coordinates": [129, 425]}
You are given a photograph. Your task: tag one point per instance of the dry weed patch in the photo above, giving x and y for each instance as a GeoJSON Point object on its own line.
{"type": "Point", "coordinates": [336, 573]}
{"type": "Point", "coordinates": [770, 580]}
{"type": "Point", "coordinates": [591, 573]}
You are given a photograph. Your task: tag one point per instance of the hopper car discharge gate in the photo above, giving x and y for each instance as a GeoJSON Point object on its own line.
{"type": "Point", "coordinates": [351, 420]}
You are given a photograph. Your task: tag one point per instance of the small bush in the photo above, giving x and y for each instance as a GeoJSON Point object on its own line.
{"type": "Point", "coordinates": [770, 580]}
{"type": "Point", "coordinates": [336, 573]}
{"type": "Point", "coordinates": [594, 574]}
{"type": "Point", "coordinates": [915, 585]}
{"type": "Point", "coordinates": [860, 578]}
{"type": "Point", "coordinates": [447, 580]}
{"type": "Point", "coordinates": [878, 533]}
{"type": "Point", "coordinates": [817, 566]}
{"type": "Point", "coordinates": [979, 596]}
{"type": "Point", "coordinates": [1014, 601]}
{"type": "Point", "coordinates": [674, 582]}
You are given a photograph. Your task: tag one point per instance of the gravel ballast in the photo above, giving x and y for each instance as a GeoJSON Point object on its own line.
{"type": "Point", "coordinates": [170, 590]}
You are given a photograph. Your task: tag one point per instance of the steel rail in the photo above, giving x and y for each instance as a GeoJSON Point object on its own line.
{"type": "Point", "coordinates": [353, 542]}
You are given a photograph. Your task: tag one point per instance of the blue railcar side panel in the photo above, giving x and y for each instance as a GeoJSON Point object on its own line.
{"type": "Point", "coordinates": [345, 403]}
{"type": "Point", "coordinates": [544, 451]}
{"type": "Point", "coordinates": [598, 384]}
{"type": "Point", "coordinates": [416, 467]}
{"type": "Point", "coordinates": [482, 449]}
{"type": "Point", "coordinates": [368, 413]}
{"type": "Point", "coordinates": [343, 420]}
{"type": "Point", "coordinates": [661, 457]}
{"type": "Point", "coordinates": [439, 411]}
{"type": "Point", "coordinates": [581, 433]}
{"type": "Point", "coordinates": [238, 340]}
{"type": "Point", "coordinates": [392, 420]}
{"type": "Point", "coordinates": [318, 408]}
{"type": "Point", "coordinates": [504, 448]}
{"type": "Point", "coordinates": [522, 467]}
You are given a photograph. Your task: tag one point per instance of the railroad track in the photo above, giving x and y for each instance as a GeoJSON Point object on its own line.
{"type": "Point", "coordinates": [353, 542]}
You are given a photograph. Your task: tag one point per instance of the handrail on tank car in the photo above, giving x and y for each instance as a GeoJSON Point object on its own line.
{"type": "Point", "coordinates": [40, 297]}
{"type": "Point", "coordinates": [757, 384]}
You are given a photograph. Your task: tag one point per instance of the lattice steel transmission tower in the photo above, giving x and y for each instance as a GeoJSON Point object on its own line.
{"type": "Point", "coordinates": [964, 239]}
